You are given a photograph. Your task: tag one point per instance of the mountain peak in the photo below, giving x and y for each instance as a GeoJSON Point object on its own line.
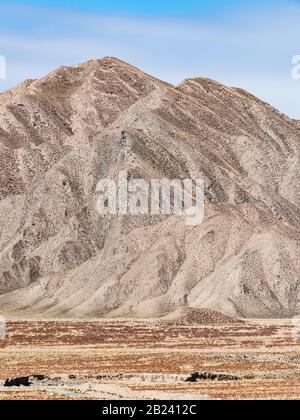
{"type": "Point", "coordinates": [60, 135]}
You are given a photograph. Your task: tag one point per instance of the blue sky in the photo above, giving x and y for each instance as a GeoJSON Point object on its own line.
{"type": "Point", "coordinates": [150, 7]}
{"type": "Point", "coordinates": [240, 43]}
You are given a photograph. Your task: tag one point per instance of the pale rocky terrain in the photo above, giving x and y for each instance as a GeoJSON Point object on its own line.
{"type": "Point", "coordinates": [59, 258]}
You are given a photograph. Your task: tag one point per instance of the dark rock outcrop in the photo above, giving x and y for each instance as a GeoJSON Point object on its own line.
{"type": "Point", "coordinates": [197, 376]}
{"type": "Point", "coordinates": [17, 382]}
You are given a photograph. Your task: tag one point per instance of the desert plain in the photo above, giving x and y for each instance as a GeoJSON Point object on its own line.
{"type": "Point", "coordinates": [132, 359]}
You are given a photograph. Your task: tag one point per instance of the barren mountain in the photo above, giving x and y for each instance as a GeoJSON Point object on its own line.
{"type": "Point", "coordinates": [59, 258]}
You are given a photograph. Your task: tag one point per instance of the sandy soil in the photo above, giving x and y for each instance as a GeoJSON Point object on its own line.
{"type": "Point", "coordinates": [135, 360]}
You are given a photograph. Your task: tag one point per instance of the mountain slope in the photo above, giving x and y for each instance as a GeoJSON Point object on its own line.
{"type": "Point", "coordinates": [59, 136]}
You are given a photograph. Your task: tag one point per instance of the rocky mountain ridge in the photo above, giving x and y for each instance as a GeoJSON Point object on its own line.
{"type": "Point", "coordinates": [61, 134]}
